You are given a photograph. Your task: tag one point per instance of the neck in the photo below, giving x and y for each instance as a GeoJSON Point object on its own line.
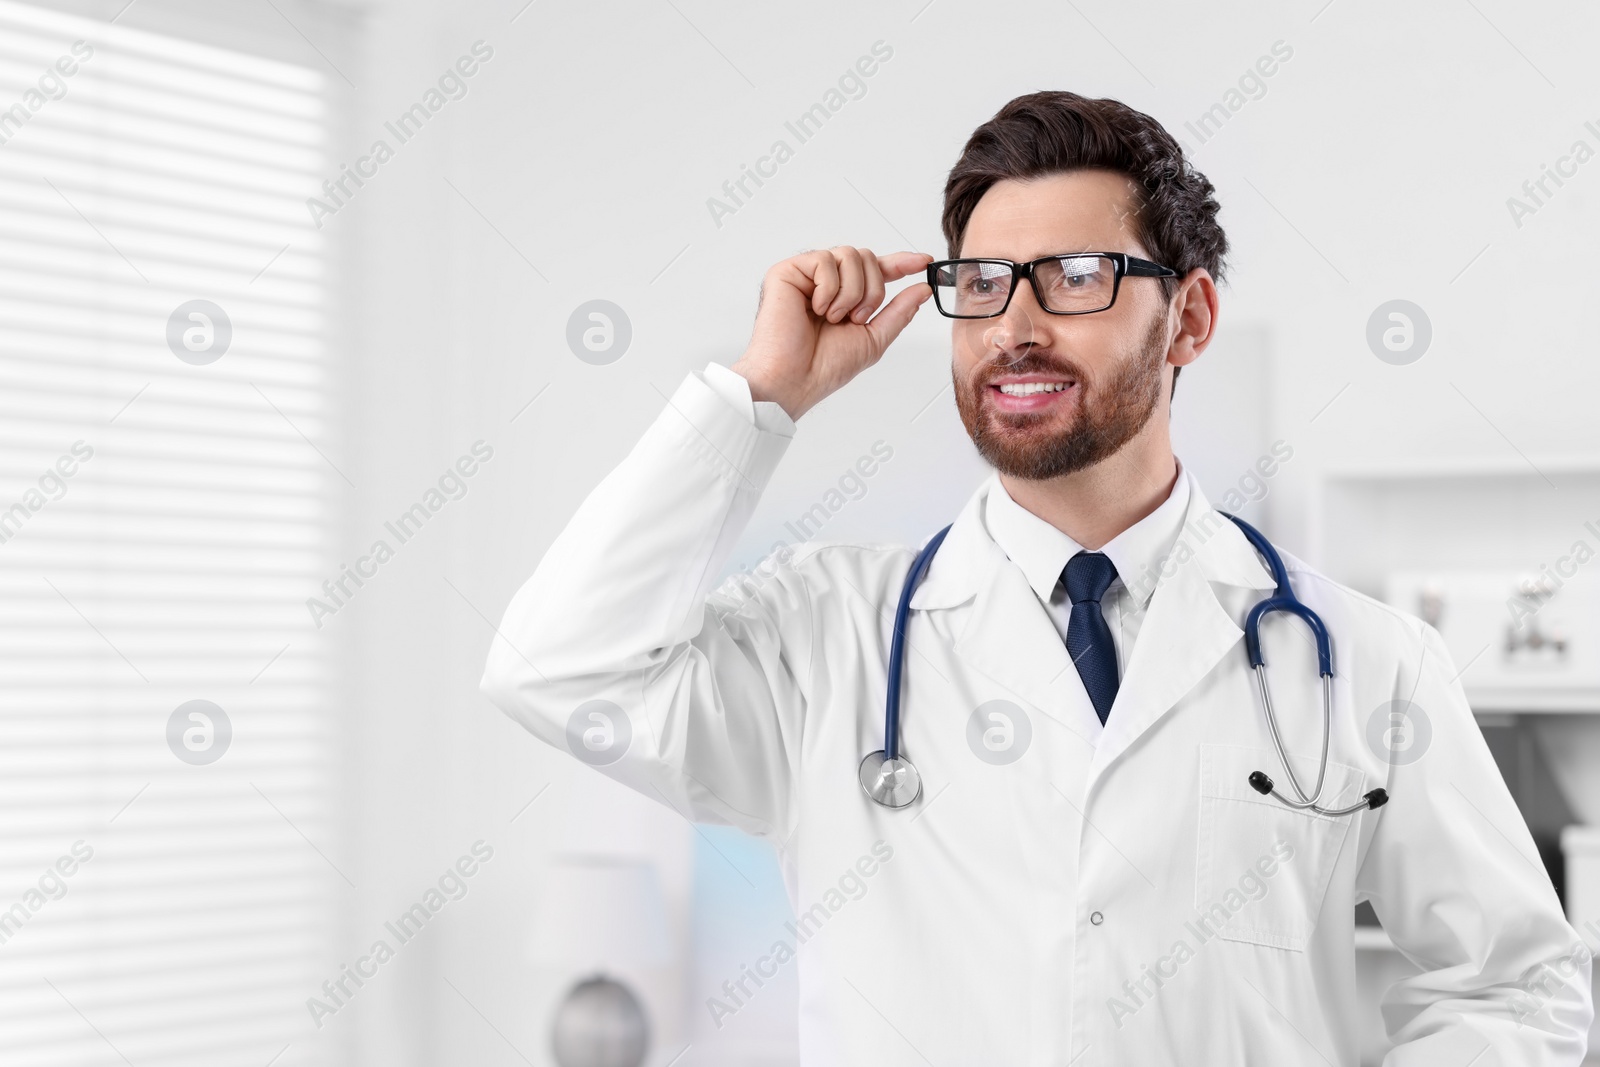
{"type": "Point", "coordinates": [1095, 504]}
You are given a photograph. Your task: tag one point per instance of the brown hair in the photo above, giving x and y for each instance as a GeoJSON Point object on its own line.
{"type": "Point", "coordinates": [1056, 131]}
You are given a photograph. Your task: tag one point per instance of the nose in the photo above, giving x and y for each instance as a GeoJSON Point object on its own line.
{"type": "Point", "coordinates": [1023, 324]}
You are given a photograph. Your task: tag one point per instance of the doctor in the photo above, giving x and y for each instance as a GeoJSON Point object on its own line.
{"type": "Point", "coordinates": [1086, 876]}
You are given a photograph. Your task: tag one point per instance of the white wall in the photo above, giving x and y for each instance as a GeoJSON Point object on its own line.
{"type": "Point", "coordinates": [1376, 166]}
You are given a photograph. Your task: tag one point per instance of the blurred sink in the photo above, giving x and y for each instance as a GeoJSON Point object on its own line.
{"type": "Point", "coordinates": [1524, 644]}
{"type": "Point", "coordinates": [1520, 643]}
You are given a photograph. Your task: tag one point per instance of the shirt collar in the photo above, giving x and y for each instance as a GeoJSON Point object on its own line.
{"type": "Point", "coordinates": [1041, 551]}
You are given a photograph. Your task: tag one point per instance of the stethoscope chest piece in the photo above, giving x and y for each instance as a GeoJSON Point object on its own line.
{"type": "Point", "coordinates": [894, 783]}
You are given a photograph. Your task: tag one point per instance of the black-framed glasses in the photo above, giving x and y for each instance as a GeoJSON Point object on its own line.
{"type": "Point", "coordinates": [1073, 284]}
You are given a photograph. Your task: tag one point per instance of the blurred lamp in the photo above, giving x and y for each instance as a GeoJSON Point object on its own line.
{"type": "Point", "coordinates": [600, 912]}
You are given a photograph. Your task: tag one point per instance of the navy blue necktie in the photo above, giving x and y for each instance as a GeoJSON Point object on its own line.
{"type": "Point", "coordinates": [1087, 577]}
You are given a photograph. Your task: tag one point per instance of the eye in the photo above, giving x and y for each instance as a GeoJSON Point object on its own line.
{"type": "Point", "coordinates": [980, 280]}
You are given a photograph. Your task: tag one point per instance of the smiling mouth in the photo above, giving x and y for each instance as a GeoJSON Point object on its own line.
{"type": "Point", "coordinates": [1031, 395]}
{"type": "Point", "coordinates": [1029, 388]}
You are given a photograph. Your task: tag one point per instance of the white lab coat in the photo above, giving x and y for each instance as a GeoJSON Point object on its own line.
{"type": "Point", "coordinates": [1052, 909]}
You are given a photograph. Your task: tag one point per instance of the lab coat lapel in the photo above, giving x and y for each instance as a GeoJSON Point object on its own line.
{"type": "Point", "coordinates": [1184, 635]}
{"type": "Point", "coordinates": [1186, 631]}
{"type": "Point", "coordinates": [1007, 635]}
{"type": "Point", "coordinates": [1011, 639]}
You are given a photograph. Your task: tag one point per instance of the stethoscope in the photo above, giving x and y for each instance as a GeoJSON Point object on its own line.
{"type": "Point", "coordinates": [893, 781]}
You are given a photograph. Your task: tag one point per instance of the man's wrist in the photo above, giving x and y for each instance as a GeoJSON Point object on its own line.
{"type": "Point", "coordinates": [763, 390]}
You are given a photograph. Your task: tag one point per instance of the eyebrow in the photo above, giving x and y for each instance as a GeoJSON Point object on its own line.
{"type": "Point", "coordinates": [1050, 255]}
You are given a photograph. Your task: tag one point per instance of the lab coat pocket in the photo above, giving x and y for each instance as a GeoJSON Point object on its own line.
{"type": "Point", "coordinates": [1262, 868]}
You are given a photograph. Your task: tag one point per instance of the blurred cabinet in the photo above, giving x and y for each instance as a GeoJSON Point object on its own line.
{"type": "Point", "coordinates": [1504, 560]}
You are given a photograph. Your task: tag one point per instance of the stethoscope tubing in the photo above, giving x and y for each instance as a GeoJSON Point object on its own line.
{"type": "Point", "coordinates": [897, 645]}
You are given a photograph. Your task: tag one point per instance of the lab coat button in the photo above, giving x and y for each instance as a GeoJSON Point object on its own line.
{"type": "Point", "coordinates": [1096, 918]}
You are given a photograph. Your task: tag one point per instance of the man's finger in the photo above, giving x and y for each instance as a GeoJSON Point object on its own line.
{"type": "Point", "coordinates": [824, 278]}
{"type": "Point", "coordinates": [874, 292]}
{"type": "Point", "coordinates": [852, 281]}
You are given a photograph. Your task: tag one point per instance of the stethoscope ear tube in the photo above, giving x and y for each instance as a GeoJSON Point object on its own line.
{"type": "Point", "coordinates": [1283, 599]}
{"type": "Point", "coordinates": [1374, 798]}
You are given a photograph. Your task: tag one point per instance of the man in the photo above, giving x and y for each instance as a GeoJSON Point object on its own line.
{"type": "Point", "coordinates": [1087, 876]}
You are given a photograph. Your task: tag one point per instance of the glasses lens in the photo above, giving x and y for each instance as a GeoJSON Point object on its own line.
{"type": "Point", "coordinates": [972, 287]}
{"type": "Point", "coordinates": [1076, 283]}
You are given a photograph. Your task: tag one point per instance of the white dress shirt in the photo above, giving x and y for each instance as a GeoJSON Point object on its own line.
{"type": "Point", "coordinates": [1042, 552]}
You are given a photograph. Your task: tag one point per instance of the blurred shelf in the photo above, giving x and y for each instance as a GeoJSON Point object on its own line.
{"type": "Point", "coordinates": [1579, 700]}
{"type": "Point", "coordinates": [1496, 466]}
{"type": "Point", "coordinates": [1367, 521]}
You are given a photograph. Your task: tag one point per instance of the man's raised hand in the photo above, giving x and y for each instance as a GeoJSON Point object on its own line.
{"type": "Point", "coordinates": [815, 329]}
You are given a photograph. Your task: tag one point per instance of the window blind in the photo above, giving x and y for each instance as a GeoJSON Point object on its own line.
{"type": "Point", "coordinates": [165, 504]}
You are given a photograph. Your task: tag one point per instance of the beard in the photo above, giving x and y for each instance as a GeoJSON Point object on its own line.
{"type": "Point", "coordinates": [1107, 416]}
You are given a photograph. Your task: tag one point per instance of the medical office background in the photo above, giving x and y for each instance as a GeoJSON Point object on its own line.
{"type": "Point", "coordinates": [243, 345]}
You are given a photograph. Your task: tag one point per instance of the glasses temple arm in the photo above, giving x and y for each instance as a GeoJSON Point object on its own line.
{"type": "Point", "coordinates": [1143, 268]}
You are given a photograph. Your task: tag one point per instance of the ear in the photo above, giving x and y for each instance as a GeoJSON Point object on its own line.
{"type": "Point", "coordinates": [1194, 306]}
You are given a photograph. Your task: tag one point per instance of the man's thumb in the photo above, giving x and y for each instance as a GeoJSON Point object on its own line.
{"type": "Point", "coordinates": [886, 325]}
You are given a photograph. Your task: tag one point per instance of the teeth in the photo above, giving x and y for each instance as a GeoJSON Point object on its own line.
{"type": "Point", "coordinates": [1029, 388]}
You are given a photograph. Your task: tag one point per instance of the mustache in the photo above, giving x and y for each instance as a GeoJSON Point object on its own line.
{"type": "Point", "coordinates": [1030, 363]}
